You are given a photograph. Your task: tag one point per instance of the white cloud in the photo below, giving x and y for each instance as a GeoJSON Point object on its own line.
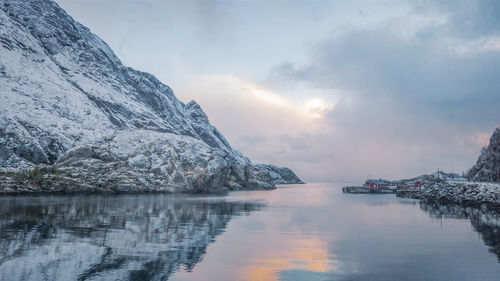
{"type": "Point", "coordinates": [475, 46]}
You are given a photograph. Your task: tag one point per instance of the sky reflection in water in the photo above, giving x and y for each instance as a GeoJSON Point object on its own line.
{"type": "Point", "coordinates": [315, 232]}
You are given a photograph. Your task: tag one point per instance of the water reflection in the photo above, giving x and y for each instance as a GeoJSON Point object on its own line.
{"type": "Point", "coordinates": [307, 232]}
{"type": "Point", "coordinates": [314, 232]}
{"type": "Point", "coordinates": [486, 223]}
{"type": "Point", "coordinates": [304, 254]}
{"type": "Point", "coordinates": [134, 237]}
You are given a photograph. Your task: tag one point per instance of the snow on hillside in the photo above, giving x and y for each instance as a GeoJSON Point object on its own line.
{"type": "Point", "coordinates": [62, 87]}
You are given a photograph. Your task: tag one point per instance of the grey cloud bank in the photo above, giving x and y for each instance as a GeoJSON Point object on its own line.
{"type": "Point", "coordinates": [420, 90]}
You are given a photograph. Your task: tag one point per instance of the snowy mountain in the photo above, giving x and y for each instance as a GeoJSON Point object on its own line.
{"type": "Point", "coordinates": [487, 167]}
{"type": "Point", "coordinates": [68, 101]}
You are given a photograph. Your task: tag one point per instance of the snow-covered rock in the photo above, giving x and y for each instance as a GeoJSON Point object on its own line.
{"type": "Point", "coordinates": [437, 176]}
{"type": "Point", "coordinates": [487, 167]}
{"type": "Point", "coordinates": [459, 192]}
{"type": "Point", "coordinates": [65, 93]}
{"type": "Point", "coordinates": [281, 175]}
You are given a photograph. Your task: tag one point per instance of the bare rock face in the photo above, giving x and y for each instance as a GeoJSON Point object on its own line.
{"type": "Point", "coordinates": [148, 161]}
{"type": "Point", "coordinates": [140, 161]}
{"type": "Point", "coordinates": [280, 175]}
{"type": "Point", "coordinates": [71, 106]}
{"type": "Point", "coordinates": [487, 167]}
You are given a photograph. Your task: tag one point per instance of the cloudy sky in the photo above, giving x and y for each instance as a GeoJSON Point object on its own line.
{"type": "Point", "coordinates": [335, 90]}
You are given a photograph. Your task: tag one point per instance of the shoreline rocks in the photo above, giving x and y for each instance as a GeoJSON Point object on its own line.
{"type": "Point", "coordinates": [140, 161]}
{"type": "Point", "coordinates": [441, 187]}
{"type": "Point", "coordinates": [473, 194]}
{"type": "Point", "coordinates": [280, 175]}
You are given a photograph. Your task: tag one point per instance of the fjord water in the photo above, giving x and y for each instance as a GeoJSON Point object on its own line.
{"type": "Point", "coordinates": [297, 232]}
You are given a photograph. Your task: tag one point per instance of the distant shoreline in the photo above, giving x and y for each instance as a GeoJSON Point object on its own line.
{"type": "Point", "coordinates": [463, 193]}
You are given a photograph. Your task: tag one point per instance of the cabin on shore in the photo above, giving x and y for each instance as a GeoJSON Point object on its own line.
{"type": "Point", "coordinates": [418, 184]}
{"type": "Point", "coordinates": [376, 184]}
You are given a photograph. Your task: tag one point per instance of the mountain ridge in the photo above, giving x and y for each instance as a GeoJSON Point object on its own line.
{"type": "Point", "coordinates": [64, 89]}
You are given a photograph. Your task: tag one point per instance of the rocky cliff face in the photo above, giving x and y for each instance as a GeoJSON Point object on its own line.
{"type": "Point", "coordinates": [487, 167]}
{"type": "Point", "coordinates": [280, 175]}
{"type": "Point", "coordinates": [67, 100]}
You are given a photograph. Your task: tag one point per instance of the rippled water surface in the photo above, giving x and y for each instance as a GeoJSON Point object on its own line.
{"type": "Point", "coordinates": [298, 232]}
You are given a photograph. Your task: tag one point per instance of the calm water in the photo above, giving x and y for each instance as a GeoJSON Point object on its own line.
{"type": "Point", "coordinates": [304, 232]}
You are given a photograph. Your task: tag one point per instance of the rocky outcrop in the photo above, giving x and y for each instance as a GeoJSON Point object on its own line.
{"type": "Point", "coordinates": [487, 167]}
{"type": "Point", "coordinates": [140, 161]}
{"type": "Point", "coordinates": [280, 175]}
{"type": "Point", "coordinates": [70, 105]}
{"type": "Point", "coordinates": [463, 193]}
{"type": "Point", "coordinates": [481, 188]}
{"type": "Point", "coordinates": [441, 187]}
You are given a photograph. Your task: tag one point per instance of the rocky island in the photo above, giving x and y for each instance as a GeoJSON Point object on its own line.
{"type": "Point", "coordinates": [73, 118]}
{"type": "Point", "coordinates": [480, 186]}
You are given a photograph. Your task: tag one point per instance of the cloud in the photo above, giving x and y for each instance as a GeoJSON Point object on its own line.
{"type": "Point", "coordinates": [468, 19]}
{"type": "Point", "coordinates": [395, 100]}
{"type": "Point", "coordinates": [416, 94]}
{"type": "Point", "coordinates": [266, 125]}
{"type": "Point", "coordinates": [334, 90]}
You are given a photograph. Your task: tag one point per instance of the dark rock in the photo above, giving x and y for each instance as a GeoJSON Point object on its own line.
{"type": "Point", "coordinates": [472, 194]}
{"type": "Point", "coordinates": [280, 175]}
{"type": "Point", "coordinates": [487, 167]}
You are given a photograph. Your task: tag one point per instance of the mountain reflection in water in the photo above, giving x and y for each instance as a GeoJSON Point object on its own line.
{"type": "Point", "coordinates": [487, 224]}
{"type": "Point", "coordinates": [134, 237]}
{"type": "Point", "coordinates": [310, 232]}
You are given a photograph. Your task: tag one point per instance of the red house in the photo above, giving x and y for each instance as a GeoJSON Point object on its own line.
{"type": "Point", "coordinates": [377, 184]}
